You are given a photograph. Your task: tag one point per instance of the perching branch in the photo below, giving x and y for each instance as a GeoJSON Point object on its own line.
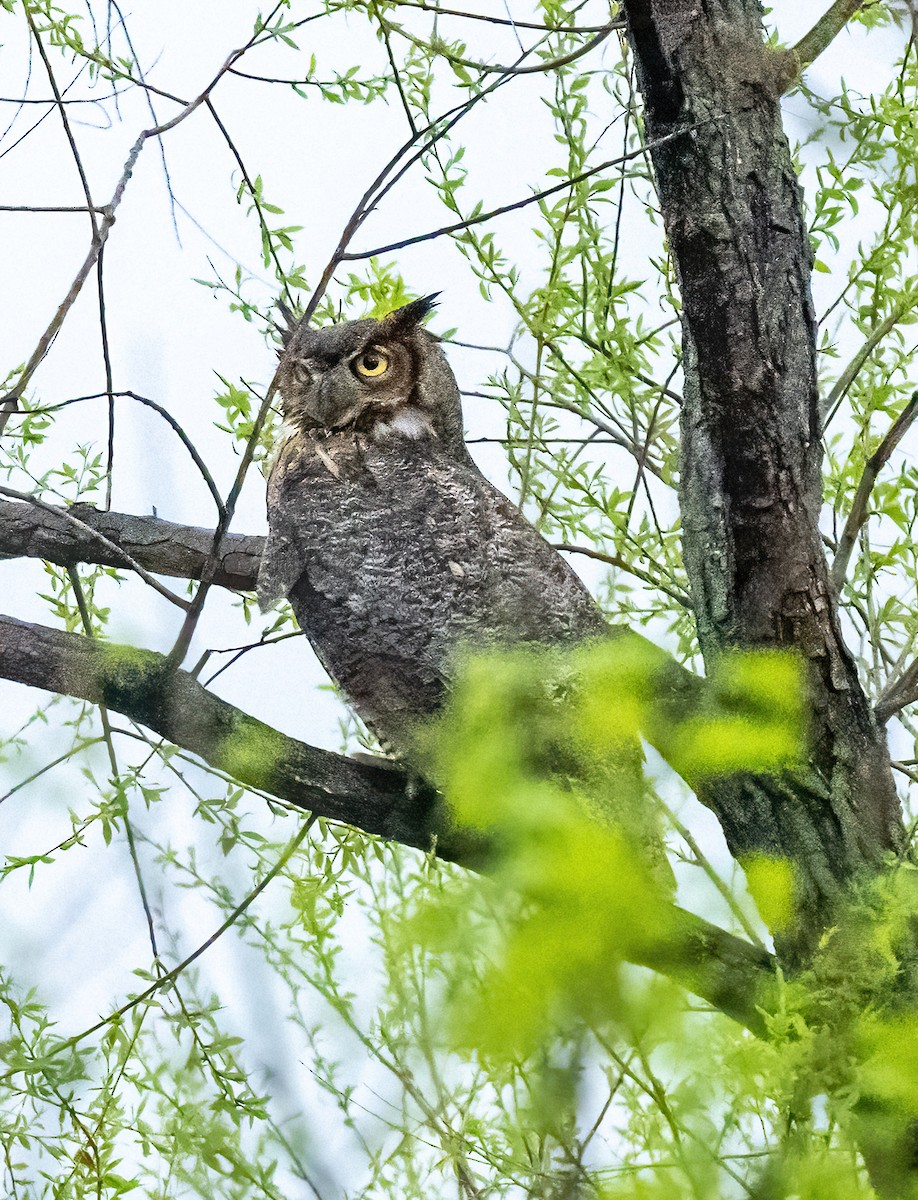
{"type": "Point", "coordinates": [725, 970]}
{"type": "Point", "coordinates": [181, 551]}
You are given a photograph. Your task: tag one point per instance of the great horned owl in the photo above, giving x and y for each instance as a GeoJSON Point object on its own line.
{"type": "Point", "coordinates": [393, 549]}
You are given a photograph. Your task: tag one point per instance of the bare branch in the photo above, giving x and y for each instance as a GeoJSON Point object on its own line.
{"type": "Point", "coordinates": [723, 969]}
{"type": "Point", "coordinates": [65, 121]}
{"type": "Point", "coordinates": [824, 32]}
{"type": "Point", "coordinates": [9, 402]}
{"type": "Point", "coordinates": [854, 367]}
{"type": "Point", "coordinates": [67, 516]}
{"type": "Point", "coordinates": [186, 633]}
{"type": "Point", "coordinates": [875, 463]}
{"type": "Point", "coordinates": [160, 411]}
{"type": "Point", "coordinates": [166, 548]}
{"type": "Point", "coordinates": [50, 208]}
{"type": "Point", "coordinates": [161, 547]}
{"type": "Point", "coordinates": [471, 16]}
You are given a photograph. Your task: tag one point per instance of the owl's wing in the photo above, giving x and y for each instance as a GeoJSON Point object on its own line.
{"type": "Point", "coordinates": [281, 566]}
{"type": "Point", "coordinates": [282, 562]}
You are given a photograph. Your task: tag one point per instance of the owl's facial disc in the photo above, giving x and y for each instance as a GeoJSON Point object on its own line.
{"type": "Point", "coordinates": [367, 377]}
{"type": "Point", "coordinates": [387, 373]}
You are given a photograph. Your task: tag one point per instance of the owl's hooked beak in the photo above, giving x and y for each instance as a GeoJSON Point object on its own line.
{"type": "Point", "coordinates": [325, 404]}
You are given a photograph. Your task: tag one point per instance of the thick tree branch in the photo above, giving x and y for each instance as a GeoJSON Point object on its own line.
{"type": "Point", "coordinates": [68, 517]}
{"type": "Point", "coordinates": [161, 547]}
{"type": "Point", "coordinates": [139, 685]}
{"type": "Point", "coordinates": [733, 975]}
{"type": "Point", "coordinates": [795, 801]}
{"type": "Point", "coordinates": [184, 551]}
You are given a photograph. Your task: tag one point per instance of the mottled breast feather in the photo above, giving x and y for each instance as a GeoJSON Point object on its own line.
{"type": "Point", "coordinates": [397, 555]}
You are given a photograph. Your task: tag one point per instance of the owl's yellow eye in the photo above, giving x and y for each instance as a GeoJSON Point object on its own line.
{"type": "Point", "coordinates": [372, 363]}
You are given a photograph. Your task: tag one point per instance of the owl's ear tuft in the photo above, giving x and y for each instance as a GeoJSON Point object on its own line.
{"type": "Point", "coordinates": [291, 321]}
{"type": "Point", "coordinates": [406, 318]}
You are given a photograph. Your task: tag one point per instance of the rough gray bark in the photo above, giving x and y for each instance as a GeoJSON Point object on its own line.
{"type": "Point", "coordinates": [725, 970]}
{"type": "Point", "coordinates": [750, 471]}
{"type": "Point", "coordinates": [162, 547]}
{"type": "Point", "coordinates": [750, 467]}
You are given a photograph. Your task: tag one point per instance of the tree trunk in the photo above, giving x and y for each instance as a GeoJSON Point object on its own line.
{"type": "Point", "coordinates": [751, 472]}
{"type": "Point", "coordinates": [751, 450]}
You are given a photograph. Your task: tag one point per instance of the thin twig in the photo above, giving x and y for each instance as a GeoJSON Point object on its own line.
{"type": "Point", "coordinates": [84, 100]}
{"type": "Point", "coordinates": [853, 369]}
{"type": "Point", "coordinates": [51, 208]}
{"type": "Point", "coordinates": [383, 184]}
{"type": "Point", "coordinates": [875, 463]}
{"type": "Point", "coordinates": [62, 109]}
{"type": "Point", "coordinates": [76, 748]}
{"type": "Point", "coordinates": [253, 195]}
{"type": "Point", "coordinates": [292, 846]}
{"type": "Point", "coordinates": [505, 208]}
{"type": "Point", "coordinates": [701, 859]}
{"type": "Point", "coordinates": [186, 633]}
{"type": "Point", "coordinates": [396, 77]}
{"type": "Point", "coordinates": [470, 16]}
{"type": "Point", "coordinates": [10, 401]}
{"type": "Point", "coordinates": [109, 379]}
{"type": "Point", "coordinates": [166, 416]}
{"type": "Point", "coordinates": [623, 565]}
{"type": "Point", "coordinates": [86, 618]}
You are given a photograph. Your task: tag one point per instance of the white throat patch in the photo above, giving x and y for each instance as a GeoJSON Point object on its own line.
{"type": "Point", "coordinates": [406, 422]}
